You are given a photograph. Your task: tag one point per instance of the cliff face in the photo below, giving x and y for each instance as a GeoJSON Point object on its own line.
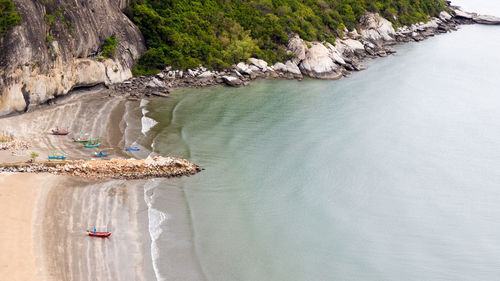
{"type": "Point", "coordinates": [53, 50]}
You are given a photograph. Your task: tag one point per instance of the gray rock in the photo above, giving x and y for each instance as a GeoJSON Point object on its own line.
{"type": "Point", "coordinates": [206, 74]}
{"type": "Point", "coordinates": [376, 28]}
{"type": "Point", "coordinates": [243, 68]}
{"type": "Point", "coordinates": [318, 63]}
{"type": "Point", "coordinates": [261, 64]}
{"type": "Point", "coordinates": [232, 81]}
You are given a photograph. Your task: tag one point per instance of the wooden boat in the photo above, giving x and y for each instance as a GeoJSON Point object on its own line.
{"type": "Point", "coordinates": [92, 145]}
{"type": "Point", "coordinates": [132, 148]}
{"type": "Point", "coordinates": [101, 154]}
{"type": "Point", "coordinates": [99, 234]}
{"type": "Point", "coordinates": [57, 157]}
{"type": "Point", "coordinates": [58, 132]}
{"type": "Point", "coordinates": [81, 139]}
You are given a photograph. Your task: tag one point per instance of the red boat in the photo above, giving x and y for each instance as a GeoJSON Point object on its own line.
{"type": "Point", "coordinates": [58, 132]}
{"type": "Point", "coordinates": [99, 234]}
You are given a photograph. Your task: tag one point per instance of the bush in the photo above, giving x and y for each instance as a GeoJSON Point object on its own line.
{"type": "Point", "coordinates": [216, 33]}
{"type": "Point", "coordinates": [8, 16]}
{"type": "Point", "coordinates": [109, 46]}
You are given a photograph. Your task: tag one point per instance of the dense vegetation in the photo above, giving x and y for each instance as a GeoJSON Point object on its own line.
{"type": "Point", "coordinates": [8, 16]}
{"type": "Point", "coordinates": [218, 33]}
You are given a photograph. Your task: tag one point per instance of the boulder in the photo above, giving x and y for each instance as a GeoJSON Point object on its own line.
{"type": "Point", "coordinates": [484, 19]}
{"type": "Point", "coordinates": [206, 74]}
{"type": "Point", "coordinates": [279, 67]}
{"type": "Point", "coordinates": [293, 68]}
{"type": "Point", "coordinates": [445, 16]}
{"type": "Point", "coordinates": [461, 14]}
{"type": "Point", "coordinates": [243, 68]}
{"type": "Point", "coordinates": [298, 47]}
{"type": "Point", "coordinates": [349, 46]}
{"type": "Point", "coordinates": [376, 28]}
{"type": "Point", "coordinates": [335, 54]}
{"type": "Point", "coordinates": [318, 63]}
{"type": "Point", "coordinates": [232, 81]}
{"type": "Point", "coordinates": [262, 64]}
{"type": "Point", "coordinates": [155, 83]}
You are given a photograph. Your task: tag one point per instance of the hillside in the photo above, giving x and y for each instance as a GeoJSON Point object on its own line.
{"type": "Point", "coordinates": [215, 33]}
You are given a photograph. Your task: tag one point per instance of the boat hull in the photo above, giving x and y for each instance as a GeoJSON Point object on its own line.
{"type": "Point", "coordinates": [57, 157]}
{"type": "Point", "coordinates": [100, 234]}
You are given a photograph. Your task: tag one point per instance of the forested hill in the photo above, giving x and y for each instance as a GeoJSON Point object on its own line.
{"type": "Point", "coordinates": [218, 33]}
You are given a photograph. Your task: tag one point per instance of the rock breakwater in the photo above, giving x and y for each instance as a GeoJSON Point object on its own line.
{"type": "Point", "coordinates": [152, 167]}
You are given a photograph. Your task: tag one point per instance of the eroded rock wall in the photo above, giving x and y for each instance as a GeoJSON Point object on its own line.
{"type": "Point", "coordinates": [53, 50]}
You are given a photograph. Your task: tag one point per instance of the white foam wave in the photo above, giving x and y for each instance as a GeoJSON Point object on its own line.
{"type": "Point", "coordinates": [156, 219]}
{"type": "Point", "coordinates": [147, 124]}
{"type": "Point", "coordinates": [143, 103]}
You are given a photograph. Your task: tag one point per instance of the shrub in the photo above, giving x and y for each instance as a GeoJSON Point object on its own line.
{"type": "Point", "coordinates": [8, 16]}
{"type": "Point", "coordinates": [109, 46]}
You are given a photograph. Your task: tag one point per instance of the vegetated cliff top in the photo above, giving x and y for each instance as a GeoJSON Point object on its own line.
{"type": "Point", "coordinates": [8, 16]}
{"type": "Point", "coordinates": [218, 33]}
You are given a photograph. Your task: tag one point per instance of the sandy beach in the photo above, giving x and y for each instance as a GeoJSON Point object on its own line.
{"type": "Point", "coordinates": [18, 198]}
{"type": "Point", "coordinates": [45, 217]}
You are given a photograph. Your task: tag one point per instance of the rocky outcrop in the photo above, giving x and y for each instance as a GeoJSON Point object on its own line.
{"type": "Point", "coordinates": [375, 28]}
{"type": "Point", "coordinates": [318, 63]}
{"type": "Point", "coordinates": [476, 18]}
{"type": "Point", "coordinates": [56, 49]}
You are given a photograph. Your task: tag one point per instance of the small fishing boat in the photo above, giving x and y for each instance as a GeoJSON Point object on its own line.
{"type": "Point", "coordinates": [101, 154]}
{"type": "Point", "coordinates": [92, 145]}
{"type": "Point", "coordinates": [132, 148]}
{"type": "Point", "coordinates": [58, 132]}
{"type": "Point", "coordinates": [57, 157]}
{"type": "Point", "coordinates": [99, 234]}
{"type": "Point", "coordinates": [81, 139]}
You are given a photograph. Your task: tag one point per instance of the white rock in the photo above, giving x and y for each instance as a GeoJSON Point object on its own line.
{"type": "Point", "coordinates": [318, 63]}
{"type": "Point", "coordinates": [376, 28]}
{"type": "Point", "coordinates": [298, 47]}
{"type": "Point", "coordinates": [445, 16]}
{"type": "Point", "coordinates": [292, 68]}
{"type": "Point", "coordinates": [484, 19]}
{"type": "Point", "coordinates": [254, 68]}
{"type": "Point", "coordinates": [335, 54]}
{"type": "Point", "coordinates": [155, 83]}
{"type": "Point", "coordinates": [160, 75]}
{"type": "Point", "coordinates": [262, 64]}
{"type": "Point", "coordinates": [462, 14]}
{"type": "Point", "coordinates": [279, 67]}
{"type": "Point", "coordinates": [243, 68]}
{"type": "Point", "coordinates": [206, 74]}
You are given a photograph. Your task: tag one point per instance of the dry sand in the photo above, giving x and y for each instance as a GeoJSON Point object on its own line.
{"type": "Point", "coordinates": [18, 198]}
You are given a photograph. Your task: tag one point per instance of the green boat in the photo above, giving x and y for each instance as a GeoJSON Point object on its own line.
{"type": "Point", "coordinates": [82, 138]}
{"type": "Point", "coordinates": [59, 157]}
{"type": "Point", "coordinates": [92, 143]}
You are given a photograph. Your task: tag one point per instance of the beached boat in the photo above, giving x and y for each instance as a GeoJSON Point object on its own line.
{"type": "Point", "coordinates": [99, 234]}
{"type": "Point", "coordinates": [58, 132]}
{"type": "Point", "coordinates": [57, 157]}
{"type": "Point", "coordinates": [81, 139]}
{"type": "Point", "coordinates": [132, 148]}
{"type": "Point", "coordinates": [101, 154]}
{"type": "Point", "coordinates": [92, 145]}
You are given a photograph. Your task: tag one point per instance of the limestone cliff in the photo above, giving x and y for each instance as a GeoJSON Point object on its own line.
{"type": "Point", "coordinates": [53, 50]}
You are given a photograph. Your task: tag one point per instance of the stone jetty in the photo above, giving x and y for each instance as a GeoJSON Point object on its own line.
{"type": "Point", "coordinates": [152, 167]}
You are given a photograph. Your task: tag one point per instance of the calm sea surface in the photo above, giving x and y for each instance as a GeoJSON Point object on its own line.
{"type": "Point", "coordinates": [391, 174]}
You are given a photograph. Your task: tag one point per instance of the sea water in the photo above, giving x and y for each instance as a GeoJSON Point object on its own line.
{"type": "Point", "coordinates": [390, 174]}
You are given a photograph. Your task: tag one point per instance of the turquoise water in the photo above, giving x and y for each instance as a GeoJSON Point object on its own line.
{"type": "Point", "coordinates": [391, 174]}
